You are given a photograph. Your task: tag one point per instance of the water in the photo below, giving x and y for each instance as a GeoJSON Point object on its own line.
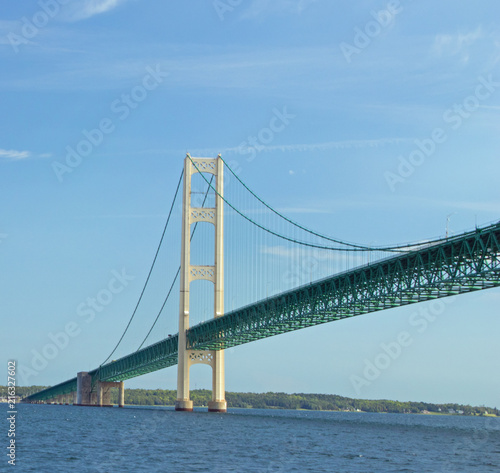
{"type": "Point", "coordinates": [86, 439]}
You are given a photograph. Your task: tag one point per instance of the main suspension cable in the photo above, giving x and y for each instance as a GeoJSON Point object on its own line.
{"type": "Point", "coordinates": [176, 276]}
{"type": "Point", "coordinates": [324, 237]}
{"type": "Point", "coordinates": [150, 270]}
{"type": "Point", "coordinates": [299, 242]}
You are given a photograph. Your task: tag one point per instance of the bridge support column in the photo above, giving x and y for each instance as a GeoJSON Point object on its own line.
{"type": "Point", "coordinates": [104, 392]}
{"type": "Point", "coordinates": [218, 403]}
{"type": "Point", "coordinates": [100, 393]}
{"type": "Point", "coordinates": [190, 273]}
{"type": "Point", "coordinates": [121, 394]}
{"type": "Point", "coordinates": [83, 389]}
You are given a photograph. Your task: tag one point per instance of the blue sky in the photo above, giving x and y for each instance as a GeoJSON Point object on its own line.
{"type": "Point", "coordinates": [372, 121]}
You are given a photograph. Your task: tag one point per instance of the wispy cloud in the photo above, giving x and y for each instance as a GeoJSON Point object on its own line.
{"type": "Point", "coordinates": [259, 8]}
{"type": "Point", "coordinates": [476, 206]}
{"type": "Point", "coordinates": [299, 252]}
{"type": "Point", "coordinates": [347, 144]}
{"type": "Point", "coordinates": [83, 9]}
{"type": "Point", "coordinates": [313, 258]}
{"type": "Point", "coordinates": [458, 45]}
{"type": "Point", "coordinates": [120, 216]}
{"type": "Point", "coordinates": [304, 147]}
{"type": "Point", "coordinates": [16, 155]}
{"type": "Point", "coordinates": [13, 154]}
{"type": "Point", "coordinates": [302, 210]}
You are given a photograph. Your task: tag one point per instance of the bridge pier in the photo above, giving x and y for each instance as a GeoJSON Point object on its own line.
{"type": "Point", "coordinates": [84, 395]}
{"type": "Point", "coordinates": [218, 403]}
{"type": "Point", "coordinates": [189, 273]}
{"type": "Point", "coordinates": [104, 393]}
{"type": "Point", "coordinates": [121, 394]}
{"type": "Point", "coordinates": [83, 389]}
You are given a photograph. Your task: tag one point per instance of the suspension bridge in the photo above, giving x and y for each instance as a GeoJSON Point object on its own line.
{"type": "Point", "coordinates": [354, 279]}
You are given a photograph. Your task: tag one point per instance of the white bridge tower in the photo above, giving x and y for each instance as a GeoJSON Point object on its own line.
{"type": "Point", "coordinates": [189, 272]}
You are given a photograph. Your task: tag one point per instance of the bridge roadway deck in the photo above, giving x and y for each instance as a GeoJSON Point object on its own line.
{"type": "Point", "coordinates": [461, 264]}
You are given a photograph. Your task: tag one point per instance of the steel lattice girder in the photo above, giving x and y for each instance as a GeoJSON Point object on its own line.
{"type": "Point", "coordinates": [152, 358]}
{"type": "Point", "coordinates": [466, 263]}
{"type": "Point", "coordinates": [51, 393]}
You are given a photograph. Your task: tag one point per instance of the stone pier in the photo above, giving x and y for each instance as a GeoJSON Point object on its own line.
{"type": "Point", "coordinates": [101, 395]}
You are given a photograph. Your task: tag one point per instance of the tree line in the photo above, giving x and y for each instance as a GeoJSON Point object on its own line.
{"type": "Point", "coordinates": [317, 402]}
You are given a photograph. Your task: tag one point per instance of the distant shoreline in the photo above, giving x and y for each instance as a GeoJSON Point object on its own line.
{"type": "Point", "coordinates": [297, 401]}
{"type": "Point", "coordinates": [325, 410]}
{"type": "Point", "coordinates": [317, 410]}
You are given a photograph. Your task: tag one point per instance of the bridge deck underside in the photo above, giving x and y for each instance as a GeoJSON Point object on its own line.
{"type": "Point", "coordinates": [470, 262]}
{"type": "Point", "coordinates": [152, 358]}
{"type": "Point", "coordinates": [457, 266]}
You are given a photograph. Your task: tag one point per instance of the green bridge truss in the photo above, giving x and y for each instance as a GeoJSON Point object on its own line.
{"type": "Point", "coordinates": [462, 264]}
{"type": "Point", "coordinates": [465, 263]}
{"type": "Point", "coordinates": [152, 358]}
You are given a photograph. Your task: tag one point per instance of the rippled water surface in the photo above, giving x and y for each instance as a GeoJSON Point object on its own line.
{"type": "Point", "coordinates": [84, 439]}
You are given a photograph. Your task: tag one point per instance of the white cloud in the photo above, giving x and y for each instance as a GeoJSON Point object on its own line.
{"type": "Point", "coordinates": [479, 206]}
{"type": "Point", "coordinates": [456, 44]}
{"type": "Point", "coordinates": [347, 144]}
{"type": "Point", "coordinates": [313, 263]}
{"type": "Point", "coordinates": [297, 252]}
{"type": "Point", "coordinates": [302, 210]}
{"type": "Point", "coordinates": [306, 147]}
{"type": "Point", "coordinates": [14, 154]}
{"type": "Point", "coordinates": [476, 206]}
{"type": "Point", "coordinates": [258, 8]}
{"type": "Point", "coordinates": [83, 9]}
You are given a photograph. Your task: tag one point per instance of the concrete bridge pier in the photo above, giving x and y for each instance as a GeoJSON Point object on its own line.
{"type": "Point", "coordinates": [104, 393]}
{"type": "Point", "coordinates": [101, 396]}
{"type": "Point", "coordinates": [83, 389]}
{"type": "Point", "coordinates": [121, 394]}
